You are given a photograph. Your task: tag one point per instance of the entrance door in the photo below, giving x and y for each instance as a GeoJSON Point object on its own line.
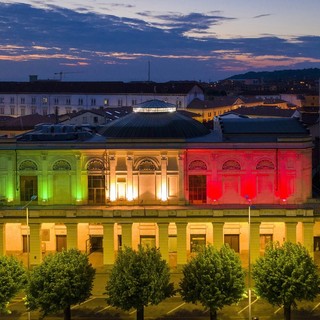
{"type": "Point", "coordinates": [61, 242]}
{"type": "Point", "coordinates": [232, 240]}
{"type": "Point", "coordinates": [96, 244]}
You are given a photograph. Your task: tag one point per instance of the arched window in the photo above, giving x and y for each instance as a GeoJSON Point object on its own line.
{"type": "Point", "coordinates": [95, 165]}
{"type": "Point", "coordinates": [147, 165]}
{"type": "Point", "coordinates": [231, 165]}
{"type": "Point", "coordinates": [265, 165]}
{"type": "Point", "coordinates": [197, 165]}
{"type": "Point", "coordinates": [28, 165]}
{"type": "Point", "coordinates": [61, 165]}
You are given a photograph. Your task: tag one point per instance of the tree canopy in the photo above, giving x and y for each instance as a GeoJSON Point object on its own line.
{"type": "Point", "coordinates": [61, 280]}
{"type": "Point", "coordinates": [286, 274]}
{"type": "Point", "coordinates": [12, 279]}
{"type": "Point", "coordinates": [214, 278]}
{"type": "Point", "coordinates": [138, 278]}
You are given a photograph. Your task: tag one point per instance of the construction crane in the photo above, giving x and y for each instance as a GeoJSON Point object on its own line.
{"type": "Point", "coordinates": [63, 73]}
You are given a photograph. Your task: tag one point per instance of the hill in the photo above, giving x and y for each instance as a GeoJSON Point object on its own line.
{"type": "Point", "coordinates": [281, 75]}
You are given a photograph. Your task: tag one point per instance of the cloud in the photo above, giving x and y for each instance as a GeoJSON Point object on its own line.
{"type": "Point", "coordinates": [181, 44]}
{"type": "Point", "coordinates": [262, 16]}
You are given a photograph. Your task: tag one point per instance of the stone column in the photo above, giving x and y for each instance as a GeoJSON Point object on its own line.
{"type": "Point", "coordinates": [164, 187]}
{"type": "Point", "coordinates": [181, 243]}
{"type": "Point", "coordinates": [181, 178]}
{"type": "Point", "coordinates": [307, 236]}
{"type": "Point", "coordinates": [164, 239]}
{"type": "Point", "coordinates": [254, 241]}
{"type": "Point", "coordinates": [218, 238]}
{"type": "Point", "coordinates": [2, 239]}
{"type": "Point", "coordinates": [112, 190]}
{"type": "Point", "coordinates": [126, 235]}
{"type": "Point", "coordinates": [72, 235]}
{"type": "Point", "coordinates": [129, 178]}
{"type": "Point", "coordinates": [35, 255]}
{"type": "Point", "coordinates": [291, 232]}
{"type": "Point", "coordinates": [108, 243]}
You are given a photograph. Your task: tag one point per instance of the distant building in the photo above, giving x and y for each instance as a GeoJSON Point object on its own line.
{"type": "Point", "coordinates": [49, 97]}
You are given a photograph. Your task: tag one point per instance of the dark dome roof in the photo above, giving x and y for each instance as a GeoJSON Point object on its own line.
{"type": "Point", "coordinates": [146, 125]}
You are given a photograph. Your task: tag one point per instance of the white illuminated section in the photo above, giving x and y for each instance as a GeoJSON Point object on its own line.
{"type": "Point", "coordinates": [154, 106]}
{"type": "Point", "coordinates": [154, 110]}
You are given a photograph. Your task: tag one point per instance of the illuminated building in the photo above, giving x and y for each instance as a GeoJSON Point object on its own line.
{"type": "Point", "coordinates": [160, 178]}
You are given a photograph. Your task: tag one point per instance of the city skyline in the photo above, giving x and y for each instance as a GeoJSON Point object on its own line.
{"type": "Point", "coordinates": [159, 41]}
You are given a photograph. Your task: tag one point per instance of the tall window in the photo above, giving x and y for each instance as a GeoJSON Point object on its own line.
{"type": "Point", "coordinates": [96, 189]}
{"type": "Point", "coordinates": [198, 189]}
{"type": "Point", "coordinates": [28, 187]}
{"type": "Point", "coordinates": [264, 240]}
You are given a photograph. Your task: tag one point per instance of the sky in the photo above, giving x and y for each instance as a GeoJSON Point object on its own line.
{"type": "Point", "coordinates": [157, 40]}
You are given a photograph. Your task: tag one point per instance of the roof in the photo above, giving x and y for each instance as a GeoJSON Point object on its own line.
{"type": "Point", "coordinates": [27, 122]}
{"type": "Point", "coordinates": [264, 111]}
{"type": "Point", "coordinates": [171, 87]}
{"type": "Point", "coordinates": [263, 129]}
{"type": "Point", "coordinates": [217, 102]}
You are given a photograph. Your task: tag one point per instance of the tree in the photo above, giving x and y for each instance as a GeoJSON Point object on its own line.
{"type": "Point", "coordinates": [286, 274]}
{"type": "Point", "coordinates": [138, 278]}
{"type": "Point", "coordinates": [13, 278]}
{"type": "Point", "coordinates": [61, 280]}
{"type": "Point", "coordinates": [214, 278]}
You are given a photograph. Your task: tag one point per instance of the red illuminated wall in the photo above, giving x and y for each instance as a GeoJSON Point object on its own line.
{"type": "Point", "coordinates": [265, 176]}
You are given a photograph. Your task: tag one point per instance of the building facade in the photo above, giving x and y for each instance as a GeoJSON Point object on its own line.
{"type": "Point", "coordinates": [155, 177]}
{"type": "Point", "coordinates": [50, 97]}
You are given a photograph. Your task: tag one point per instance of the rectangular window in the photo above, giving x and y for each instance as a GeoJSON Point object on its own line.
{"type": "Point", "coordinates": [22, 100]}
{"type": "Point", "coordinates": [95, 120]}
{"type": "Point", "coordinates": [56, 100]}
{"type": "Point", "coordinates": [233, 241]}
{"type": "Point", "coordinates": [264, 240]}
{"type": "Point", "coordinates": [119, 241]}
{"type": "Point", "coordinates": [119, 102]}
{"type": "Point", "coordinates": [1, 110]}
{"type": "Point", "coordinates": [28, 187]}
{"type": "Point", "coordinates": [33, 110]}
{"type": "Point", "coordinates": [68, 101]}
{"type": "Point", "coordinates": [33, 100]}
{"type": "Point", "coordinates": [93, 102]}
{"type": "Point", "coordinates": [198, 189]}
{"type": "Point", "coordinates": [96, 243]}
{"type": "Point", "coordinates": [12, 111]}
{"type": "Point", "coordinates": [23, 111]}
{"type": "Point", "coordinates": [149, 241]}
{"type": "Point", "coordinates": [134, 102]}
{"type": "Point", "coordinates": [11, 99]}
{"type": "Point", "coordinates": [197, 242]}
{"type": "Point", "coordinates": [106, 102]}
{"type": "Point", "coordinates": [80, 102]}
{"type": "Point", "coordinates": [1, 100]}
{"type": "Point", "coordinates": [44, 100]}
{"type": "Point", "coordinates": [96, 189]}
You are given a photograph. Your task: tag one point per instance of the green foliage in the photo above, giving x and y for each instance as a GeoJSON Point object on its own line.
{"type": "Point", "coordinates": [138, 278]}
{"type": "Point", "coordinates": [12, 279]}
{"type": "Point", "coordinates": [286, 274]}
{"type": "Point", "coordinates": [214, 278]}
{"type": "Point", "coordinates": [61, 280]}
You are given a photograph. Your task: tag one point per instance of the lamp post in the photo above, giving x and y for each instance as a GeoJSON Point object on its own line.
{"type": "Point", "coordinates": [27, 221]}
{"type": "Point", "coordinates": [26, 207]}
{"type": "Point", "coordinates": [249, 255]}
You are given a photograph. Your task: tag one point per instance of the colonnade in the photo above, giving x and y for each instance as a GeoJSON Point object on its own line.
{"type": "Point", "coordinates": [291, 233]}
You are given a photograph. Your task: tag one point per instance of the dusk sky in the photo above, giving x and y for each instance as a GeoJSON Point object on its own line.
{"type": "Point", "coordinates": [207, 40]}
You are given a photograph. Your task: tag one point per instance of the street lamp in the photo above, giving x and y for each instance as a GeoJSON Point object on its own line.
{"type": "Point", "coordinates": [249, 256]}
{"type": "Point", "coordinates": [26, 206]}
{"type": "Point", "coordinates": [27, 220]}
